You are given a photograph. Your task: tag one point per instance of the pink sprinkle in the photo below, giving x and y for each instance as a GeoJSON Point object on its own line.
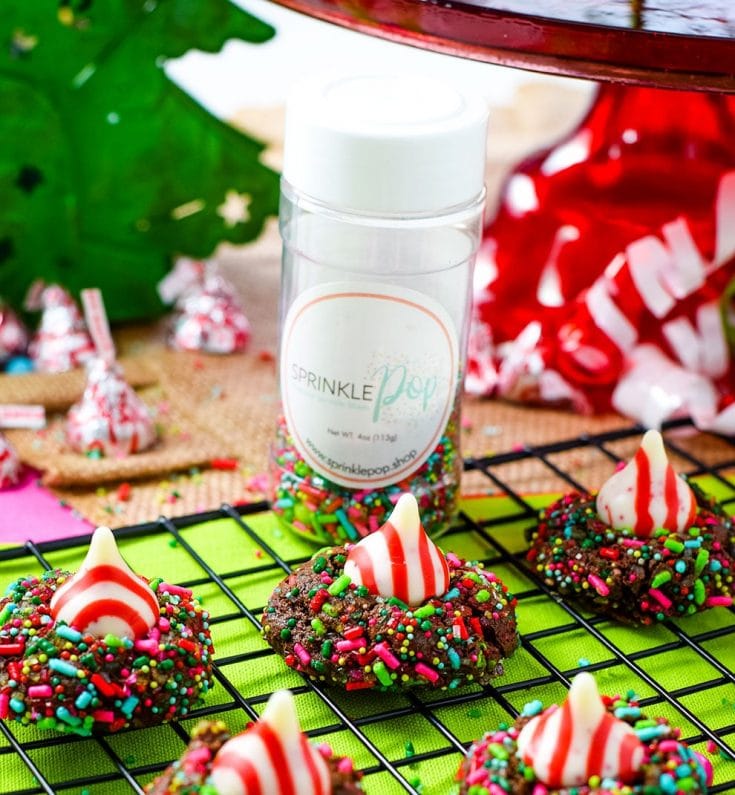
{"type": "Point", "coordinates": [197, 758]}
{"type": "Point", "coordinates": [345, 765]}
{"type": "Point", "coordinates": [40, 691]}
{"type": "Point", "coordinates": [631, 542]}
{"type": "Point", "coordinates": [349, 645]}
{"type": "Point", "coordinates": [302, 654]}
{"type": "Point", "coordinates": [148, 646]}
{"type": "Point", "coordinates": [386, 655]}
{"type": "Point", "coordinates": [476, 776]}
{"type": "Point", "coordinates": [4, 701]}
{"type": "Point", "coordinates": [422, 669]}
{"type": "Point", "coordinates": [711, 746]}
{"type": "Point", "coordinates": [662, 599]}
{"type": "Point", "coordinates": [453, 559]}
{"type": "Point", "coordinates": [104, 715]}
{"type": "Point", "coordinates": [667, 746]}
{"type": "Point", "coordinates": [176, 590]}
{"type": "Point", "coordinates": [598, 584]}
{"type": "Point", "coordinates": [164, 623]}
{"type": "Point", "coordinates": [540, 789]}
{"type": "Point", "coordinates": [719, 601]}
{"type": "Point", "coordinates": [495, 789]}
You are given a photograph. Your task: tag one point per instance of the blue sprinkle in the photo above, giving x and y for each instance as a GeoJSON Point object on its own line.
{"type": "Point", "coordinates": [693, 543]}
{"type": "Point", "coordinates": [454, 659]}
{"type": "Point", "coordinates": [680, 566]}
{"type": "Point", "coordinates": [62, 713]}
{"type": "Point", "coordinates": [127, 707]}
{"type": "Point", "coordinates": [583, 662]}
{"type": "Point", "coordinates": [532, 708]}
{"type": "Point", "coordinates": [449, 595]}
{"type": "Point", "coordinates": [651, 733]}
{"type": "Point", "coordinates": [345, 522]}
{"type": "Point", "coordinates": [64, 631]}
{"type": "Point", "coordinates": [17, 705]}
{"type": "Point", "coordinates": [62, 667]}
{"type": "Point", "coordinates": [667, 783]}
{"type": "Point", "coordinates": [83, 700]}
{"type": "Point", "coordinates": [627, 712]}
{"type": "Point", "coordinates": [715, 565]}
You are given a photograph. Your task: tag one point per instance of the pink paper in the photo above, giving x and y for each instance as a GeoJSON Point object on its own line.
{"type": "Point", "coordinates": [28, 512]}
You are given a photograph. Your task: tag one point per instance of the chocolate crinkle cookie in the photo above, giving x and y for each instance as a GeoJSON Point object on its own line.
{"type": "Point", "coordinates": [649, 546]}
{"type": "Point", "coordinates": [591, 745]}
{"type": "Point", "coordinates": [101, 650]}
{"type": "Point", "coordinates": [272, 756]}
{"type": "Point", "coordinates": [392, 611]}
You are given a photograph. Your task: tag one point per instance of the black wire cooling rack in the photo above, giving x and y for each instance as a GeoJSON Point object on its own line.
{"type": "Point", "coordinates": [709, 717]}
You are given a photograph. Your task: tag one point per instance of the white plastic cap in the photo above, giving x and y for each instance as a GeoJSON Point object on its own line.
{"type": "Point", "coordinates": [385, 144]}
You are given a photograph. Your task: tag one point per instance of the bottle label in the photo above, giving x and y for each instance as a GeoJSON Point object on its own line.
{"type": "Point", "coordinates": [369, 376]}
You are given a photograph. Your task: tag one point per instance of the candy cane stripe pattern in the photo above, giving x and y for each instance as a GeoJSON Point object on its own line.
{"type": "Point", "coordinates": [400, 560]}
{"type": "Point", "coordinates": [647, 494]}
{"type": "Point", "coordinates": [271, 758]}
{"type": "Point", "coordinates": [105, 597]}
{"type": "Point", "coordinates": [568, 745]}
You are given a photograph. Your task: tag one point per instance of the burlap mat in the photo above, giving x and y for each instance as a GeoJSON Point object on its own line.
{"type": "Point", "coordinates": [57, 391]}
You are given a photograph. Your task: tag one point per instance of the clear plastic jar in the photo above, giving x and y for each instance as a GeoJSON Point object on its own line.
{"type": "Point", "coordinates": [375, 303]}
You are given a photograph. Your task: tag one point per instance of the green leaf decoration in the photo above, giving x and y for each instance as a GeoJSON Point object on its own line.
{"type": "Point", "coordinates": [107, 168]}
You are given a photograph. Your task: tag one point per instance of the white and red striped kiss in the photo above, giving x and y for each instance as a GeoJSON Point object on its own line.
{"type": "Point", "coordinates": [271, 758]}
{"type": "Point", "coordinates": [400, 560]}
{"type": "Point", "coordinates": [105, 597]}
{"type": "Point", "coordinates": [568, 745]}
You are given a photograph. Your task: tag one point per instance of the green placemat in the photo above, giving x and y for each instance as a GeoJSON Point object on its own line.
{"type": "Point", "coordinates": [416, 732]}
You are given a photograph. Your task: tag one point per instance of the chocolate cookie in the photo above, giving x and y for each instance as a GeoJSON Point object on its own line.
{"type": "Point", "coordinates": [590, 746]}
{"type": "Point", "coordinates": [214, 763]}
{"type": "Point", "coordinates": [392, 611]}
{"type": "Point", "coordinates": [631, 554]}
{"type": "Point", "coordinates": [101, 650]}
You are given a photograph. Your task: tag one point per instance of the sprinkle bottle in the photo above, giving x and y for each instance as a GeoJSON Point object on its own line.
{"type": "Point", "coordinates": [381, 216]}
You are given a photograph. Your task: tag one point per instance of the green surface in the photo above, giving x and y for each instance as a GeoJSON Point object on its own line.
{"type": "Point", "coordinates": [248, 570]}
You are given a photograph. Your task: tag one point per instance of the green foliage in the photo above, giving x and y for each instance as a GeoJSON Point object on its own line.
{"type": "Point", "coordinates": [107, 168]}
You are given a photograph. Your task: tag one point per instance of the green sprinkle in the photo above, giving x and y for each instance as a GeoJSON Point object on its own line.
{"type": "Point", "coordinates": [381, 672]}
{"type": "Point", "coordinates": [318, 626]}
{"type": "Point", "coordinates": [327, 648]}
{"type": "Point", "coordinates": [482, 596]}
{"type": "Point", "coordinates": [498, 751]}
{"type": "Point", "coordinates": [675, 546]}
{"type": "Point", "coordinates": [699, 563]}
{"type": "Point", "coordinates": [320, 564]}
{"type": "Point", "coordinates": [410, 750]}
{"type": "Point", "coordinates": [339, 585]}
{"type": "Point", "coordinates": [661, 578]}
{"type": "Point", "coordinates": [425, 611]}
{"type": "Point", "coordinates": [699, 592]}
{"type": "Point", "coordinates": [330, 610]}
{"type": "Point", "coordinates": [113, 641]}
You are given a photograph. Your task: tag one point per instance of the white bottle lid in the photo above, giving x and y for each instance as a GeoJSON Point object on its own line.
{"type": "Point", "coordinates": [385, 144]}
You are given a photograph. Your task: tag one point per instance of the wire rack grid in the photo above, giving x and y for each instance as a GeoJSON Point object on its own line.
{"type": "Point", "coordinates": [412, 742]}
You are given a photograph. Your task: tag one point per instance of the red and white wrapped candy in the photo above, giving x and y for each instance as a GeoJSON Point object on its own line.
{"type": "Point", "coordinates": [61, 342]}
{"type": "Point", "coordinates": [13, 334]}
{"type": "Point", "coordinates": [110, 418]}
{"type": "Point", "coordinates": [566, 316]}
{"type": "Point", "coordinates": [16, 416]}
{"type": "Point", "coordinates": [568, 745]}
{"type": "Point", "coordinates": [272, 757]}
{"type": "Point", "coordinates": [105, 597]}
{"type": "Point", "coordinates": [10, 465]}
{"type": "Point", "coordinates": [399, 559]}
{"type": "Point", "coordinates": [210, 317]}
{"type": "Point", "coordinates": [647, 494]}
